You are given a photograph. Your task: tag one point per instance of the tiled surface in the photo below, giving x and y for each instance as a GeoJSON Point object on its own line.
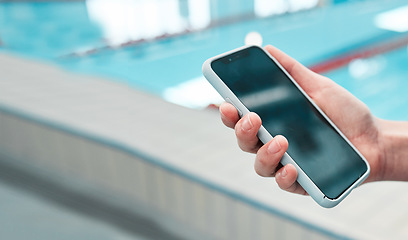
{"type": "Point", "coordinates": [194, 142]}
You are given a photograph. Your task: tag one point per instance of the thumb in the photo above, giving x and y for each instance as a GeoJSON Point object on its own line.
{"type": "Point", "coordinates": [308, 80]}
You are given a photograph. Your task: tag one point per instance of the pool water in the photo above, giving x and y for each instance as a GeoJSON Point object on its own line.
{"type": "Point", "coordinates": [380, 82]}
{"type": "Point", "coordinates": [162, 53]}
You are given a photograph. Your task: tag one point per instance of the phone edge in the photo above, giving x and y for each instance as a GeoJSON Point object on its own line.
{"type": "Point", "coordinates": [265, 136]}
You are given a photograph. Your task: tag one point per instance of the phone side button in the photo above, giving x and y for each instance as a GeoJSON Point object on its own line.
{"type": "Point", "coordinates": [229, 101]}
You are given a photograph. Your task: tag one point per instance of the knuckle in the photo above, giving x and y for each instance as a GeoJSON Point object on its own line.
{"type": "Point", "coordinates": [290, 187]}
{"type": "Point", "coordinates": [238, 130]}
{"type": "Point", "coordinates": [246, 147]}
{"type": "Point", "coordinates": [264, 162]}
{"type": "Point", "coordinates": [259, 171]}
{"type": "Point", "coordinates": [242, 146]}
{"type": "Point", "coordinates": [263, 172]}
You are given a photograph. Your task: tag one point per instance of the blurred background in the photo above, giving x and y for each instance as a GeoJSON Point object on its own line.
{"type": "Point", "coordinates": [108, 130]}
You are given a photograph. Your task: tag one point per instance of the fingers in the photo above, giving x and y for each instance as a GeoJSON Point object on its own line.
{"type": "Point", "coordinates": [267, 163]}
{"type": "Point", "coordinates": [286, 179]}
{"type": "Point", "coordinates": [229, 115]}
{"type": "Point", "coordinates": [269, 156]}
{"type": "Point", "coordinates": [246, 130]}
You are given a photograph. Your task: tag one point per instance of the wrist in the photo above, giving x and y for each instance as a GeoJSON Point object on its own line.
{"type": "Point", "coordinates": [393, 139]}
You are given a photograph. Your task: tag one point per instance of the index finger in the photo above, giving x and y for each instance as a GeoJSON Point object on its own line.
{"type": "Point", "coordinates": [229, 114]}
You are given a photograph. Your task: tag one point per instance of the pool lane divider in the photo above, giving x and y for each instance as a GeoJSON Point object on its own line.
{"type": "Point", "coordinates": [165, 36]}
{"type": "Point", "coordinates": [340, 60]}
{"type": "Point", "coordinates": [365, 52]}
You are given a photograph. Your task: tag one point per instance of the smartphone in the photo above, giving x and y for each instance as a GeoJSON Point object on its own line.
{"type": "Point", "coordinates": [328, 165]}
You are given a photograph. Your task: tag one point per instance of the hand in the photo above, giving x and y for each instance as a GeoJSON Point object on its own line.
{"type": "Point", "coordinates": [358, 125]}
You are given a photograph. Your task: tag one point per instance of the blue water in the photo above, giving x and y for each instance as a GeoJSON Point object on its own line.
{"type": "Point", "coordinates": [381, 82]}
{"type": "Point", "coordinates": [52, 31]}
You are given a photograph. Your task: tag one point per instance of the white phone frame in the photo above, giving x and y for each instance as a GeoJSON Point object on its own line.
{"type": "Point", "coordinates": [265, 136]}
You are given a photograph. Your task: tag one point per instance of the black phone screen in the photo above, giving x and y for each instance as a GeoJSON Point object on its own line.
{"type": "Point", "coordinates": [318, 149]}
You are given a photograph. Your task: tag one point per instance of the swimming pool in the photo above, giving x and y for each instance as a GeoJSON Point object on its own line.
{"type": "Point", "coordinates": [380, 82]}
{"type": "Point", "coordinates": [77, 37]}
{"type": "Point", "coordinates": [62, 33]}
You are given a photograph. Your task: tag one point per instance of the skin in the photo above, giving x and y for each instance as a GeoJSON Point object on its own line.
{"type": "Point", "coordinates": [383, 143]}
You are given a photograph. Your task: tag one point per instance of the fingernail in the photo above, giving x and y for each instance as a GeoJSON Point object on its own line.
{"type": "Point", "coordinates": [247, 124]}
{"type": "Point", "coordinates": [284, 172]}
{"type": "Point", "coordinates": [274, 146]}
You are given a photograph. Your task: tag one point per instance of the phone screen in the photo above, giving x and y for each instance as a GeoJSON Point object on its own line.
{"type": "Point", "coordinates": [318, 149]}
